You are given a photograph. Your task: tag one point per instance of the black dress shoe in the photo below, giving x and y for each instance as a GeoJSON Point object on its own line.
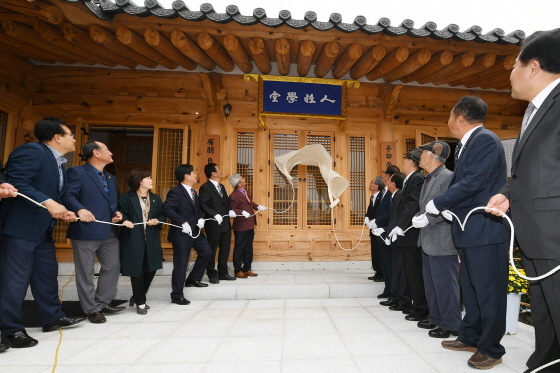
{"type": "Point", "coordinates": [132, 302]}
{"type": "Point", "coordinates": [96, 318]}
{"type": "Point", "coordinates": [387, 302]}
{"type": "Point", "coordinates": [196, 284]}
{"type": "Point", "coordinates": [3, 347]}
{"type": "Point", "coordinates": [19, 339]}
{"type": "Point", "coordinates": [382, 296]}
{"type": "Point", "coordinates": [181, 301]}
{"type": "Point", "coordinates": [214, 280]}
{"type": "Point", "coordinates": [415, 317]}
{"type": "Point", "coordinates": [378, 279]}
{"type": "Point", "coordinates": [396, 307]}
{"type": "Point", "coordinates": [442, 333]}
{"type": "Point", "coordinates": [425, 324]}
{"type": "Point", "coordinates": [62, 323]}
{"type": "Point", "coordinates": [110, 309]}
{"type": "Point", "coordinates": [407, 311]}
{"type": "Point", "coordinates": [227, 278]}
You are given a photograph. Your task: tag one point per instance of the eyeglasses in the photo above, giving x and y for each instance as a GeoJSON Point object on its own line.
{"type": "Point", "coordinates": [68, 133]}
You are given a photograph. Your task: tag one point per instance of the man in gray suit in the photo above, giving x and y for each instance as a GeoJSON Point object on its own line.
{"type": "Point", "coordinates": [440, 263]}
{"type": "Point", "coordinates": [533, 192]}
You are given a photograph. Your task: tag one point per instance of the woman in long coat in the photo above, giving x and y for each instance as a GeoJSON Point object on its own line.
{"type": "Point", "coordinates": [140, 244]}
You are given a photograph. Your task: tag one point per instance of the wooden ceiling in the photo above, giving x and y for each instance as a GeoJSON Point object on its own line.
{"type": "Point", "coordinates": [100, 32]}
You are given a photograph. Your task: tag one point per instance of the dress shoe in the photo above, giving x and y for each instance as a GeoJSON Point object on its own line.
{"type": "Point", "coordinates": [371, 278]}
{"type": "Point", "coordinates": [227, 278]}
{"type": "Point", "coordinates": [382, 296]}
{"type": "Point", "coordinates": [141, 311]}
{"type": "Point", "coordinates": [388, 303]}
{"type": "Point", "coordinates": [240, 275]}
{"type": "Point", "coordinates": [483, 361]}
{"type": "Point", "coordinates": [96, 318]}
{"type": "Point", "coordinates": [250, 273]}
{"type": "Point", "coordinates": [425, 324]}
{"type": "Point", "coordinates": [378, 279]}
{"type": "Point", "coordinates": [19, 339]}
{"type": "Point", "coordinates": [214, 280]}
{"type": "Point", "coordinates": [396, 307]}
{"type": "Point", "coordinates": [181, 301]}
{"type": "Point", "coordinates": [62, 323]}
{"type": "Point", "coordinates": [407, 311]}
{"type": "Point", "coordinates": [442, 333]}
{"type": "Point", "coordinates": [3, 347]}
{"type": "Point", "coordinates": [196, 284]}
{"type": "Point", "coordinates": [110, 309]}
{"type": "Point", "coordinates": [132, 302]}
{"type": "Point", "coordinates": [457, 346]}
{"type": "Point", "coordinates": [415, 317]}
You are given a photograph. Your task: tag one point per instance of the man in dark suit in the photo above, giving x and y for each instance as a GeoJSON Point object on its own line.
{"type": "Point", "coordinates": [532, 193]}
{"type": "Point", "coordinates": [93, 195]}
{"type": "Point", "coordinates": [182, 207]}
{"type": "Point", "coordinates": [480, 172]}
{"type": "Point", "coordinates": [408, 243]}
{"type": "Point", "coordinates": [214, 202]}
{"type": "Point", "coordinates": [440, 264]}
{"type": "Point", "coordinates": [376, 188]}
{"type": "Point", "coordinates": [27, 251]}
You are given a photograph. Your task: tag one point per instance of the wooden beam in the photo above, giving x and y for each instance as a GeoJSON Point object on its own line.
{"type": "Point", "coordinates": [413, 63]}
{"type": "Point", "coordinates": [505, 85]}
{"type": "Point", "coordinates": [347, 60]}
{"type": "Point", "coordinates": [137, 43]}
{"type": "Point", "coordinates": [25, 34]}
{"type": "Point", "coordinates": [282, 49]}
{"type": "Point", "coordinates": [502, 65]}
{"type": "Point", "coordinates": [368, 62]}
{"type": "Point", "coordinates": [437, 62]}
{"type": "Point", "coordinates": [35, 9]}
{"type": "Point", "coordinates": [305, 57]}
{"type": "Point", "coordinates": [237, 53]}
{"type": "Point", "coordinates": [498, 83]}
{"type": "Point", "coordinates": [326, 59]}
{"type": "Point", "coordinates": [11, 87]}
{"type": "Point", "coordinates": [214, 50]}
{"type": "Point", "coordinates": [480, 63]}
{"type": "Point", "coordinates": [76, 35]}
{"type": "Point", "coordinates": [21, 49]}
{"type": "Point", "coordinates": [166, 48]}
{"type": "Point", "coordinates": [191, 50]}
{"type": "Point", "coordinates": [460, 62]}
{"type": "Point", "coordinates": [389, 63]}
{"type": "Point", "coordinates": [110, 41]}
{"type": "Point", "coordinates": [258, 50]}
{"type": "Point", "coordinates": [16, 67]}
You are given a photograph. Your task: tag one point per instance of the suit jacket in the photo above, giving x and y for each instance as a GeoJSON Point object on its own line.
{"type": "Point", "coordinates": [32, 169]}
{"type": "Point", "coordinates": [211, 204]}
{"type": "Point", "coordinates": [133, 241]}
{"type": "Point", "coordinates": [373, 206]}
{"type": "Point", "coordinates": [534, 187]}
{"type": "Point", "coordinates": [180, 208]}
{"type": "Point", "coordinates": [435, 238]}
{"type": "Point", "coordinates": [408, 207]}
{"type": "Point", "coordinates": [382, 214]}
{"type": "Point", "coordinates": [479, 174]}
{"type": "Point", "coordinates": [85, 191]}
{"type": "Point", "coordinates": [239, 204]}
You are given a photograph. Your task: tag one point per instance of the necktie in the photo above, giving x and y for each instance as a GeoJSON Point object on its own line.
{"type": "Point", "coordinates": [526, 117]}
{"type": "Point", "coordinates": [458, 150]}
{"type": "Point", "coordinates": [219, 187]}
{"type": "Point", "coordinates": [193, 195]}
{"type": "Point", "coordinates": [246, 196]}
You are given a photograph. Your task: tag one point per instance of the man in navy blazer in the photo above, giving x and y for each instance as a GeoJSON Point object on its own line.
{"type": "Point", "coordinates": [93, 195]}
{"type": "Point", "coordinates": [27, 251]}
{"type": "Point", "coordinates": [182, 207]}
{"type": "Point", "coordinates": [480, 172]}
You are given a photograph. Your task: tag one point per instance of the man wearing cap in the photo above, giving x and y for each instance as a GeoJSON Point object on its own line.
{"type": "Point", "coordinates": [480, 172]}
{"type": "Point", "coordinates": [408, 243]}
{"type": "Point", "coordinates": [376, 187]}
{"type": "Point", "coordinates": [440, 265]}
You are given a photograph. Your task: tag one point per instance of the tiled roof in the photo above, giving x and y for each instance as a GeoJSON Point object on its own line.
{"type": "Point", "coordinates": [107, 9]}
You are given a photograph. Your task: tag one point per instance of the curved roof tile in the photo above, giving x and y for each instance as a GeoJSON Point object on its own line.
{"type": "Point", "coordinates": [106, 9]}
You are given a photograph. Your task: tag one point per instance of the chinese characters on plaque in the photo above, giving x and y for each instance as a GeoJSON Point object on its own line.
{"type": "Point", "coordinates": [210, 149]}
{"type": "Point", "coordinates": [387, 155]}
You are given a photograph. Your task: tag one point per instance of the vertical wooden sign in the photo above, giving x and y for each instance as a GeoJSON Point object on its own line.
{"type": "Point", "coordinates": [388, 154]}
{"type": "Point", "coordinates": [24, 136]}
{"type": "Point", "coordinates": [210, 151]}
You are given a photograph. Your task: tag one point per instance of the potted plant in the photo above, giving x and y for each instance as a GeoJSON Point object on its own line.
{"type": "Point", "coordinates": [517, 286]}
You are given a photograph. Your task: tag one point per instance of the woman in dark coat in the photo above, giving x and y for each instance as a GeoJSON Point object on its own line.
{"type": "Point", "coordinates": [140, 244]}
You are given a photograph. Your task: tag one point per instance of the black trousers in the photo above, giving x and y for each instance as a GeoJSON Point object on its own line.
{"type": "Point", "coordinates": [412, 259]}
{"type": "Point", "coordinates": [223, 241]}
{"type": "Point", "coordinates": [375, 259]}
{"type": "Point", "coordinates": [181, 253]}
{"type": "Point", "coordinates": [140, 285]}
{"type": "Point", "coordinates": [243, 250]}
{"type": "Point", "coordinates": [400, 292]}
{"type": "Point", "coordinates": [386, 264]}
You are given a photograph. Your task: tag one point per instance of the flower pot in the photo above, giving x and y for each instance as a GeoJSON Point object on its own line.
{"type": "Point", "coordinates": [512, 312]}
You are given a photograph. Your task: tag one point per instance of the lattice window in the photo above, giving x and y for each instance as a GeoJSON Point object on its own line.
{"type": "Point", "coordinates": [409, 145]}
{"type": "Point", "coordinates": [140, 153]}
{"type": "Point", "coordinates": [357, 180]}
{"type": "Point", "coordinates": [426, 138]}
{"type": "Point", "coordinates": [283, 194]}
{"type": "Point", "coordinates": [318, 202]}
{"type": "Point", "coordinates": [3, 126]}
{"type": "Point", "coordinates": [170, 155]}
{"type": "Point", "coordinates": [246, 158]}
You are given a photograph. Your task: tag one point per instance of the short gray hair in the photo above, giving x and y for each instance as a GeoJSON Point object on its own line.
{"type": "Point", "coordinates": [379, 182]}
{"type": "Point", "coordinates": [234, 180]}
{"type": "Point", "coordinates": [439, 158]}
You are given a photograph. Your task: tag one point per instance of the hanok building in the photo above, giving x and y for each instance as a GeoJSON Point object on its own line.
{"type": "Point", "coordinates": [162, 87]}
